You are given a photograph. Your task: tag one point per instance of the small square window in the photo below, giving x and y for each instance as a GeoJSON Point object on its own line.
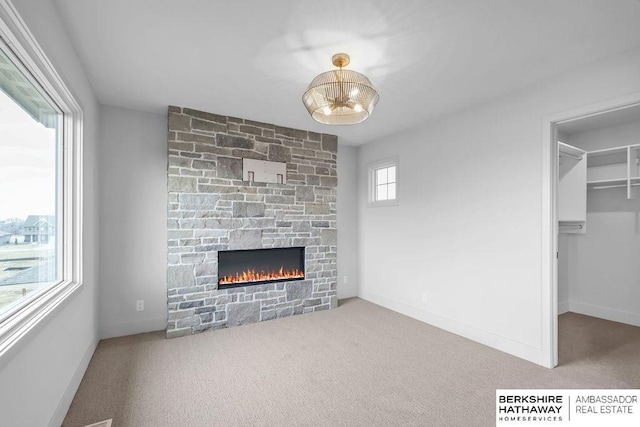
{"type": "Point", "coordinates": [383, 183]}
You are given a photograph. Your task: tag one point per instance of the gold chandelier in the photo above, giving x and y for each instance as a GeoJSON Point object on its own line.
{"type": "Point", "coordinates": [340, 97]}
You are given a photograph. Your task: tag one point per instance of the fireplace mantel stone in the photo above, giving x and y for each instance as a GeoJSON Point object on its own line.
{"type": "Point", "coordinates": [211, 209]}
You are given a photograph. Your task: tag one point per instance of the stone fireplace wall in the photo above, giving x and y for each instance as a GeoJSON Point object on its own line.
{"type": "Point", "coordinates": [210, 208]}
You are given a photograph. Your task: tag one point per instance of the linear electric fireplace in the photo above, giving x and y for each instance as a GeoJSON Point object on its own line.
{"type": "Point", "coordinates": [252, 267]}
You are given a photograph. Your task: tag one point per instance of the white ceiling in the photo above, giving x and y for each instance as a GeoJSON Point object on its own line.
{"type": "Point", "coordinates": [254, 58]}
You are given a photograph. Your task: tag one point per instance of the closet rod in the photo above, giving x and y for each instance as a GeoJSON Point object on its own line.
{"type": "Point", "coordinates": [571, 225]}
{"type": "Point", "coordinates": [604, 187]}
{"type": "Point", "coordinates": [571, 155]}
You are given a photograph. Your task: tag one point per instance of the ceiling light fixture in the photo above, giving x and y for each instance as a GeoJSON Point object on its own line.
{"type": "Point", "coordinates": [340, 97]}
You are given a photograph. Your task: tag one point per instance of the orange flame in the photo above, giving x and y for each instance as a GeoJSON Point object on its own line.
{"type": "Point", "coordinates": [255, 276]}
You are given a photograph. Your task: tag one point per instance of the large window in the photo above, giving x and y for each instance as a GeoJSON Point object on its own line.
{"type": "Point", "coordinates": [383, 183]}
{"type": "Point", "coordinates": [29, 169]}
{"type": "Point", "coordinates": [40, 183]}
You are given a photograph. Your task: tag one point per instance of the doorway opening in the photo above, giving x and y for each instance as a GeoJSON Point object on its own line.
{"type": "Point", "coordinates": [594, 231]}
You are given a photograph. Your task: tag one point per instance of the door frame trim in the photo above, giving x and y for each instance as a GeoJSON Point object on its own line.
{"type": "Point", "coordinates": [549, 289]}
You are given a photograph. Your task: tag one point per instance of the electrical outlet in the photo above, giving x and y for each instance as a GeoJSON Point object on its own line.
{"type": "Point", "coordinates": [423, 297]}
{"type": "Point", "coordinates": [345, 279]}
{"type": "Point", "coordinates": [140, 305]}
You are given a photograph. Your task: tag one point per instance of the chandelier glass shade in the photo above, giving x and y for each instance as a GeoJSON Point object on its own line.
{"type": "Point", "coordinates": [340, 97]}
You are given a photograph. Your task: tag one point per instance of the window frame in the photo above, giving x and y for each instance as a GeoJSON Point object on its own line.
{"type": "Point", "coordinates": [373, 167]}
{"type": "Point", "coordinates": [21, 47]}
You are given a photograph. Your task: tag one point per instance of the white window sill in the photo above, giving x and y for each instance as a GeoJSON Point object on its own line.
{"type": "Point", "coordinates": [380, 203]}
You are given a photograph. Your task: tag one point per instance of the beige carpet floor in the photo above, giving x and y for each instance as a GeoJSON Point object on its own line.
{"type": "Point", "coordinates": [356, 365]}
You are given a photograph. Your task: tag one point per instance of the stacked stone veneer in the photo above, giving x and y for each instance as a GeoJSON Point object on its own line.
{"type": "Point", "coordinates": [210, 208]}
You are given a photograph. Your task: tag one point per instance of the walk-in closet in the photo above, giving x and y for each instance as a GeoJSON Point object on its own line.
{"type": "Point", "coordinates": [598, 209]}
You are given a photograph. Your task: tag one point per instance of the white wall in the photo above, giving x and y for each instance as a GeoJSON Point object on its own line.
{"type": "Point", "coordinates": [39, 377]}
{"type": "Point", "coordinates": [468, 228]}
{"type": "Point", "coordinates": [347, 206]}
{"type": "Point", "coordinates": [603, 272]}
{"type": "Point", "coordinates": [133, 245]}
{"type": "Point", "coordinates": [133, 226]}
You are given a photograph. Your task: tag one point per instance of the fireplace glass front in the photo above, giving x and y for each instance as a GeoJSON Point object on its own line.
{"type": "Point", "coordinates": [256, 266]}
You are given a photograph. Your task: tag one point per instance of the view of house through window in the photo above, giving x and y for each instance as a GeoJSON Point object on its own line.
{"type": "Point", "coordinates": [29, 171]}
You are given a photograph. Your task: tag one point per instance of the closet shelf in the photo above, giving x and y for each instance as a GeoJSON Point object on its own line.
{"type": "Point", "coordinates": [614, 167]}
{"type": "Point", "coordinates": [570, 151]}
{"type": "Point", "coordinates": [606, 183]}
{"type": "Point", "coordinates": [607, 151]}
{"type": "Point", "coordinates": [572, 192]}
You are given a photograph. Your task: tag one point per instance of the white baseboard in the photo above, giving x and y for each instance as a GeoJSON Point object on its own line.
{"type": "Point", "coordinates": [521, 350]}
{"type": "Point", "coordinates": [105, 423]}
{"type": "Point", "coordinates": [72, 387]}
{"type": "Point", "coordinates": [563, 307]}
{"type": "Point", "coordinates": [605, 313]}
{"type": "Point", "coordinates": [347, 292]}
{"type": "Point", "coordinates": [131, 328]}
